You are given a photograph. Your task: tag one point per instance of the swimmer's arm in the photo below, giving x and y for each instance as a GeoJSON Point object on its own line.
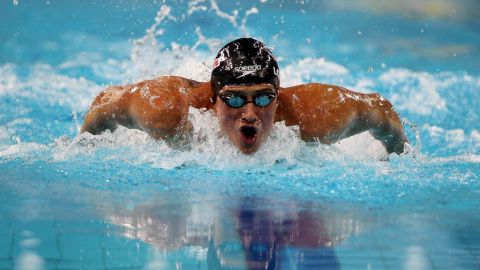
{"type": "Point", "coordinates": [328, 113]}
{"type": "Point", "coordinates": [385, 125]}
{"type": "Point", "coordinates": [160, 110]}
{"type": "Point", "coordinates": [135, 111]}
{"type": "Point", "coordinates": [104, 113]}
{"type": "Point", "coordinates": [373, 113]}
{"type": "Point", "coordinates": [96, 122]}
{"type": "Point", "coordinates": [154, 106]}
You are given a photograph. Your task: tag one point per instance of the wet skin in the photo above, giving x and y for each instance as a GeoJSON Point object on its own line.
{"type": "Point", "coordinates": [324, 113]}
{"type": "Point", "coordinates": [247, 127]}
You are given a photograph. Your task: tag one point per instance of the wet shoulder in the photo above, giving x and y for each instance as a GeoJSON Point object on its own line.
{"type": "Point", "coordinates": [111, 94]}
{"type": "Point", "coordinates": [172, 85]}
{"type": "Point", "coordinates": [308, 92]}
{"type": "Point", "coordinates": [320, 93]}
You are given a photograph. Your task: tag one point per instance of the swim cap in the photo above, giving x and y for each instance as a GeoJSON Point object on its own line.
{"type": "Point", "coordinates": [244, 61]}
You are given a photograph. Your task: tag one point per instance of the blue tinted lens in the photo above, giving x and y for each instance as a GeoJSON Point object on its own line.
{"type": "Point", "coordinates": [263, 100]}
{"type": "Point", "coordinates": [235, 101]}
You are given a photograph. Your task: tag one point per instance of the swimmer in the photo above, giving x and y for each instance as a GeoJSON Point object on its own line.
{"type": "Point", "coordinates": [245, 95]}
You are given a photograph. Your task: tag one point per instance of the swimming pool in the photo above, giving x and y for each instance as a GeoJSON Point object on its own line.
{"type": "Point", "coordinates": [122, 200]}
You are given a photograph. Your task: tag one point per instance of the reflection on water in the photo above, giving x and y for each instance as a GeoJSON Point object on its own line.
{"type": "Point", "coordinates": [254, 234]}
{"type": "Point", "coordinates": [283, 238]}
{"type": "Point", "coordinates": [279, 233]}
{"type": "Point", "coordinates": [182, 229]}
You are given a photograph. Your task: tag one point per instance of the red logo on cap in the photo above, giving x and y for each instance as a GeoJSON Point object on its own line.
{"type": "Point", "coordinates": [216, 63]}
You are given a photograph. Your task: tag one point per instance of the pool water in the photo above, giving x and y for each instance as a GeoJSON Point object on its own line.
{"type": "Point", "coordinates": [124, 201]}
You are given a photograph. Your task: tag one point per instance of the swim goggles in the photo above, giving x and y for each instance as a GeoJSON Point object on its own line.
{"type": "Point", "coordinates": [235, 100]}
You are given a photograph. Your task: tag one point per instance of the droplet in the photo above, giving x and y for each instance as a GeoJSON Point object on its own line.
{"type": "Point", "coordinates": [370, 69]}
{"type": "Point", "coordinates": [359, 32]}
{"type": "Point", "coordinates": [15, 2]}
{"type": "Point", "coordinates": [308, 40]}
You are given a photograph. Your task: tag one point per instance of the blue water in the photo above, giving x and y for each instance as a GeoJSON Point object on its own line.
{"type": "Point", "coordinates": [123, 200]}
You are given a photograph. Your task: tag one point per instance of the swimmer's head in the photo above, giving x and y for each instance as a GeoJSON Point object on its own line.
{"type": "Point", "coordinates": [245, 86]}
{"type": "Point", "coordinates": [245, 61]}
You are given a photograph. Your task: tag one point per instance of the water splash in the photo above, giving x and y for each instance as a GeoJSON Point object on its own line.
{"type": "Point", "coordinates": [417, 92]}
{"type": "Point", "coordinates": [148, 45]}
{"type": "Point", "coordinates": [417, 146]}
{"type": "Point", "coordinates": [311, 69]}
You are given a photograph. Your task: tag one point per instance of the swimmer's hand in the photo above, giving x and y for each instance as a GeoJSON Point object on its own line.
{"type": "Point", "coordinates": [385, 126]}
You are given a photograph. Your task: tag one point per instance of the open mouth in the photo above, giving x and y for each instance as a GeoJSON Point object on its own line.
{"type": "Point", "coordinates": [249, 134]}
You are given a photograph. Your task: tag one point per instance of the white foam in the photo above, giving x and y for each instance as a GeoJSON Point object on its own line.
{"type": "Point", "coordinates": [5, 134]}
{"type": "Point", "coordinates": [88, 144]}
{"type": "Point", "coordinates": [45, 85]}
{"type": "Point", "coordinates": [475, 136]}
{"type": "Point", "coordinates": [468, 158]}
{"type": "Point", "coordinates": [416, 92]}
{"type": "Point", "coordinates": [363, 85]}
{"type": "Point", "coordinates": [22, 150]}
{"type": "Point", "coordinates": [49, 86]}
{"type": "Point", "coordinates": [153, 61]}
{"type": "Point", "coordinates": [8, 81]}
{"type": "Point", "coordinates": [310, 69]}
{"type": "Point", "coordinates": [453, 137]}
{"type": "Point", "coordinates": [362, 146]}
{"type": "Point", "coordinates": [84, 59]}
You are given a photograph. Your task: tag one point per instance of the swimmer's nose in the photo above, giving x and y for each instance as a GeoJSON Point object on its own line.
{"type": "Point", "coordinates": [249, 115]}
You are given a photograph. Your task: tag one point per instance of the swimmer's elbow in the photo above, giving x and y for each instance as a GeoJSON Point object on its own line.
{"type": "Point", "coordinates": [90, 128]}
{"type": "Point", "coordinates": [385, 125]}
{"type": "Point", "coordinates": [97, 129]}
{"type": "Point", "coordinates": [95, 124]}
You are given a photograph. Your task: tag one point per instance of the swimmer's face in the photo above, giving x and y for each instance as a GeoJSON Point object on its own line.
{"type": "Point", "coordinates": [247, 125]}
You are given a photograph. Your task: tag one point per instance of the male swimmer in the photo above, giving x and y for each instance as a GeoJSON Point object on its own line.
{"type": "Point", "coordinates": [245, 94]}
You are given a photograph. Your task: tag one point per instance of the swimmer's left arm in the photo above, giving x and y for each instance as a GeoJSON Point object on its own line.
{"type": "Point", "coordinates": [385, 124]}
{"type": "Point", "coordinates": [329, 113]}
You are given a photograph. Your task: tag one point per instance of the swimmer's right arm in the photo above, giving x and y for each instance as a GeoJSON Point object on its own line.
{"type": "Point", "coordinates": [154, 106]}
{"type": "Point", "coordinates": [105, 112]}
